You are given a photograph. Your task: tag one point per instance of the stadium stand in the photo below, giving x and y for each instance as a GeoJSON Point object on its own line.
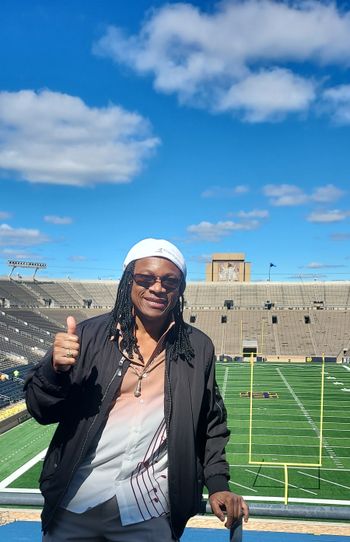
{"type": "Point", "coordinates": [17, 294]}
{"type": "Point", "coordinates": [288, 320]}
{"type": "Point", "coordinates": [11, 387]}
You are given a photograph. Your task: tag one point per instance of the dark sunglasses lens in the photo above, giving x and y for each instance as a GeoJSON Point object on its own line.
{"type": "Point", "coordinates": [170, 284]}
{"type": "Point", "coordinates": [146, 281]}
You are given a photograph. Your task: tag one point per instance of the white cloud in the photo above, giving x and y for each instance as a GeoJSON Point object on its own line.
{"type": "Point", "coordinates": [327, 217]}
{"type": "Point", "coordinates": [242, 189]}
{"type": "Point", "coordinates": [337, 103]}
{"type": "Point", "coordinates": [255, 213]}
{"type": "Point", "coordinates": [285, 194]}
{"type": "Point", "coordinates": [210, 58]}
{"type": "Point", "coordinates": [60, 220]}
{"type": "Point", "coordinates": [326, 194]}
{"type": "Point", "coordinates": [49, 137]}
{"type": "Point", "coordinates": [290, 195]}
{"type": "Point", "coordinates": [21, 236]}
{"type": "Point", "coordinates": [207, 231]}
{"type": "Point", "coordinates": [15, 254]}
{"type": "Point", "coordinates": [225, 192]}
{"type": "Point", "coordinates": [269, 95]}
{"type": "Point", "coordinates": [319, 265]}
{"type": "Point", "coordinates": [4, 215]}
{"type": "Point", "coordinates": [201, 258]}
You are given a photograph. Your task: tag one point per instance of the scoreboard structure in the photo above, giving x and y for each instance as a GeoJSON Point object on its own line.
{"type": "Point", "coordinates": [228, 267]}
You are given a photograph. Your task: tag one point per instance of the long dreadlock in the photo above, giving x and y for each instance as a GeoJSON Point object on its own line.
{"type": "Point", "coordinates": [178, 342]}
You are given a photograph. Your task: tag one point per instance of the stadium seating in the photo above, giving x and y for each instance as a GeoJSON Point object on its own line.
{"type": "Point", "coordinates": [296, 319]}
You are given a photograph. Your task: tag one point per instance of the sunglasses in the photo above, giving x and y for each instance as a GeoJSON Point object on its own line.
{"type": "Point", "coordinates": [146, 281]}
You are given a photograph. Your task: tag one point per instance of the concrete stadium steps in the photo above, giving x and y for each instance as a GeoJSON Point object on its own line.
{"type": "Point", "coordinates": [60, 315]}
{"type": "Point", "coordinates": [16, 294]}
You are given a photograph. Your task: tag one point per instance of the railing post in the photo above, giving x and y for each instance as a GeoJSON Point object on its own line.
{"type": "Point", "coordinates": [236, 531]}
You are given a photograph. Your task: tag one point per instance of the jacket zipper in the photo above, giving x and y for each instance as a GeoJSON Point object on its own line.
{"type": "Point", "coordinates": [119, 373]}
{"type": "Point", "coordinates": [168, 403]}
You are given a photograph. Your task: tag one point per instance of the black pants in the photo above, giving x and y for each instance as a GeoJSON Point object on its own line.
{"type": "Point", "coordinates": [102, 524]}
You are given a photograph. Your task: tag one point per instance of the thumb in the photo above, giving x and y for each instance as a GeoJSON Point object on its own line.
{"type": "Point", "coordinates": [71, 325]}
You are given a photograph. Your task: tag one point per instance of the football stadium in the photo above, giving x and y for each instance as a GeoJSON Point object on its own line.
{"type": "Point", "coordinates": [282, 365]}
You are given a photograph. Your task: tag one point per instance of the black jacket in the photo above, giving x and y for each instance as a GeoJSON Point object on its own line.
{"type": "Point", "coordinates": [80, 401]}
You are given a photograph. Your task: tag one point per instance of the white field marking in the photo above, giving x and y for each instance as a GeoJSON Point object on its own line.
{"type": "Point", "coordinates": [281, 482]}
{"type": "Point", "coordinates": [347, 368]}
{"type": "Point", "coordinates": [338, 383]}
{"type": "Point", "coordinates": [240, 485]}
{"type": "Point", "coordinates": [323, 480]}
{"type": "Point", "coordinates": [40, 436]}
{"type": "Point", "coordinates": [279, 466]}
{"type": "Point", "coordinates": [224, 386]}
{"type": "Point", "coordinates": [15, 427]}
{"type": "Point", "coordinates": [325, 443]}
{"type": "Point", "coordinates": [22, 469]}
{"type": "Point", "coordinates": [284, 445]}
{"type": "Point", "coordinates": [341, 468]}
{"type": "Point", "coordinates": [288, 436]}
{"type": "Point", "coordinates": [296, 500]}
{"type": "Point", "coordinates": [233, 426]}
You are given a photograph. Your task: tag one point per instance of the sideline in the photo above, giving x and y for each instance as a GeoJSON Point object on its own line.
{"type": "Point", "coordinates": [4, 483]}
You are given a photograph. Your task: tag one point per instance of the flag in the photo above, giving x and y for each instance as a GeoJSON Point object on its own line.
{"type": "Point", "coordinates": [273, 265]}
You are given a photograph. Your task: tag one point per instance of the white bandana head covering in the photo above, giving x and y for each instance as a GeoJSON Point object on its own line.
{"type": "Point", "coordinates": [156, 247]}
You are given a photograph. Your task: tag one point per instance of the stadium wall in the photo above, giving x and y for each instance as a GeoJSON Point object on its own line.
{"type": "Point", "coordinates": [14, 420]}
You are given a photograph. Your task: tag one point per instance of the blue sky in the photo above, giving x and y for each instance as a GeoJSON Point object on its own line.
{"type": "Point", "coordinates": [221, 126]}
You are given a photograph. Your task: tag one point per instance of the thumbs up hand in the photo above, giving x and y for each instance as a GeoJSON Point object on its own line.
{"type": "Point", "coordinates": [66, 347]}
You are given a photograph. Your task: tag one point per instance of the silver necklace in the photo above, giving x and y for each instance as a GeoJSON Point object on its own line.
{"type": "Point", "coordinates": [140, 376]}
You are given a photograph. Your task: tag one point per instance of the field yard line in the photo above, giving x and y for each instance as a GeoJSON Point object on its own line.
{"type": "Point", "coordinates": [279, 466]}
{"type": "Point", "coordinates": [22, 469]}
{"type": "Point", "coordinates": [264, 427]}
{"type": "Point", "coordinates": [326, 444]}
{"type": "Point", "coordinates": [294, 437]}
{"type": "Point", "coordinates": [15, 427]}
{"type": "Point", "coordinates": [278, 444]}
{"type": "Point", "coordinates": [281, 482]}
{"type": "Point", "coordinates": [284, 455]}
{"type": "Point", "coordinates": [347, 368]}
{"type": "Point", "coordinates": [224, 385]}
{"type": "Point", "coordinates": [297, 500]}
{"type": "Point", "coordinates": [240, 485]}
{"type": "Point", "coordinates": [323, 479]}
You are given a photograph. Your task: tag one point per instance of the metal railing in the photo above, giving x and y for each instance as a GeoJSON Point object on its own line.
{"type": "Point", "coordinates": [338, 513]}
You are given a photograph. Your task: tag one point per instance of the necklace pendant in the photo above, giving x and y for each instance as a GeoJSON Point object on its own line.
{"type": "Point", "coordinates": [137, 391]}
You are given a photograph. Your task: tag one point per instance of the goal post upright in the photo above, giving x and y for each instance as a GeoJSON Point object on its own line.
{"type": "Point", "coordinates": [284, 464]}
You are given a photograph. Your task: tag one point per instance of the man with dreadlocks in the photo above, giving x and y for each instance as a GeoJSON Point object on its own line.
{"type": "Point", "coordinates": [141, 423]}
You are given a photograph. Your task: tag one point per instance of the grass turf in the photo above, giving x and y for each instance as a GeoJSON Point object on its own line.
{"type": "Point", "coordinates": [284, 429]}
{"type": "Point", "coordinates": [287, 429]}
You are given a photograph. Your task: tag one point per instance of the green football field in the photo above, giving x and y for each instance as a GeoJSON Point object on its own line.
{"type": "Point", "coordinates": [285, 428]}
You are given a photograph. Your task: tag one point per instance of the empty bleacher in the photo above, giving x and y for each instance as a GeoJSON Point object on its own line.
{"type": "Point", "coordinates": [297, 319]}
{"type": "Point", "coordinates": [16, 294]}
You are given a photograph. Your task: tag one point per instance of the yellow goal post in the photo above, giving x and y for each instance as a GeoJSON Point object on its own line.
{"type": "Point", "coordinates": [283, 463]}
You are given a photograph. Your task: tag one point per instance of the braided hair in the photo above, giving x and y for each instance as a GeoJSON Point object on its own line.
{"type": "Point", "coordinates": [178, 343]}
